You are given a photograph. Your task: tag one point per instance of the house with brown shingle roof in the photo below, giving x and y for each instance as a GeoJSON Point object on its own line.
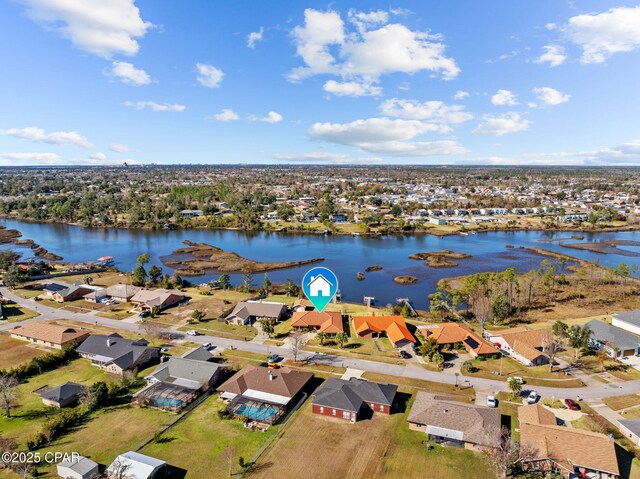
{"type": "Point", "coordinates": [329, 323]}
{"type": "Point", "coordinates": [453, 333]}
{"type": "Point", "coordinates": [569, 451]}
{"type": "Point", "coordinates": [450, 422]}
{"type": "Point", "coordinates": [523, 344]}
{"type": "Point", "coordinates": [156, 298]}
{"type": "Point", "coordinates": [393, 327]}
{"type": "Point", "coordinates": [51, 335]}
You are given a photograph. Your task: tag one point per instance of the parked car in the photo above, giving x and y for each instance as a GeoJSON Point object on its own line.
{"type": "Point", "coordinates": [405, 355]}
{"type": "Point", "coordinates": [491, 401]}
{"type": "Point", "coordinates": [143, 314]}
{"type": "Point", "coordinates": [273, 358]}
{"type": "Point", "coordinates": [207, 346]}
{"type": "Point", "coordinates": [533, 397]}
{"type": "Point", "coordinates": [518, 378]}
{"type": "Point", "coordinates": [192, 332]}
{"type": "Point", "coordinates": [559, 422]}
{"type": "Point", "coordinates": [571, 404]}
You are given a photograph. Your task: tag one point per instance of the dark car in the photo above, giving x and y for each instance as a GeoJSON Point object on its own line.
{"type": "Point", "coordinates": [571, 404]}
{"type": "Point", "coordinates": [405, 354]}
{"type": "Point", "coordinates": [559, 422]}
{"type": "Point", "coordinates": [143, 314]}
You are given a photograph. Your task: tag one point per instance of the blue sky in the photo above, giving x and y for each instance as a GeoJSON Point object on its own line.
{"type": "Point", "coordinates": [429, 82]}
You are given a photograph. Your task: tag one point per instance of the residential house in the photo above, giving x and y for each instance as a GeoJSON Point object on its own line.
{"type": "Point", "coordinates": [523, 344]}
{"type": "Point", "coordinates": [179, 380]}
{"type": "Point", "coordinates": [96, 295]}
{"type": "Point", "coordinates": [630, 428]}
{"type": "Point", "coordinates": [115, 354]}
{"type": "Point", "coordinates": [617, 342]}
{"type": "Point", "coordinates": [302, 304]}
{"type": "Point", "coordinates": [450, 422]}
{"type": "Point", "coordinates": [78, 467]}
{"type": "Point", "coordinates": [148, 299]}
{"type": "Point", "coordinates": [248, 312]}
{"type": "Point", "coordinates": [628, 320]}
{"type": "Point", "coordinates": [62, 292]}
{"type": "Point", "coordinates": [122, 292]}
{"type": "Point", "coordinates": [353, 399]}
{"type": "Point", "coordinates": [190, 213]}
{"type": "Point", "coordinates": [338, 218]}
{"type": "Point", "coordinates": [133, 465]}
{"type": "Point", "coordinates": [65, 395]}
{"type": "Point", "coordinates": [455, 333]}
{"type": "Point", "coordinates": [51, 335]}
{"type": "Point", "coordinates": [392, 327]}
{"type": "Point", "coordinates": [329, 323]}
{"type": "Point", "coordinates": [569, 451]}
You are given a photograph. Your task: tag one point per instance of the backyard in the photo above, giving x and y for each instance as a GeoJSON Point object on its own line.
{"type": "Point", "coordinates": [14, 352]}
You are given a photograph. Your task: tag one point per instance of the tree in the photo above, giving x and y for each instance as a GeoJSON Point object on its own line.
{"type": "Point", "coordinates": [560, 329]}
{"type": "Point", "coordinates": [322, 337]}
{"type": "Point", "coordinates": [155, 272]}
{"type": "Point", "coordinates": [297, 344]}
{"type": "Point", "coordinates": [119, 470]}
{"type": "Point", "coordinates": [266, 284]}
{"type": "Point", "coordinates": [602, 356]}
{"type": "Point", "coordinates": [267, 326]}
{"type": "Point", "coordinates": [225, 281]}
{"type": "Point", "coordinates": [438, 305]}
{"type": "Point", "coordinates": [552, 346]}
{"type": "Point", "coordinates": [438, 358]}
{"type": "Point", "coordinates": [515, 386]}
{"type": "Point", "coordinates": [579, 337]}
{"type": "Point", "coordinates": [139, 276]}
{"type": "Point", "coordinates": [8, 393]}
{"type": "Point", "coordinates": [342, 338]}
{"type": "Point", "coordinates": [152, 330]}
{"type": "Point", "coordinates": [506, 457]}
{"type": "Point", "coordinates": [428, 348]}
{"type": "Point", "coordinates": [198, 315]}
{"type": "Point", "coordinates": [88, 279]}
{"type": "Point", "coordinates": [290, 288]}
{"type": "Point", "coordinates": [15, 276]}
{"type": "Point", "coordinates": [7, 259]}
{"type": "Point", "coordinates": [143, 259]}
{"type": "Point", "coordinates": [247, 282]}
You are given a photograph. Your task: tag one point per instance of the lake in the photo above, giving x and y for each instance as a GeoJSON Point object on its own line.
{"type": "Point", "coordinates": [344, 255]}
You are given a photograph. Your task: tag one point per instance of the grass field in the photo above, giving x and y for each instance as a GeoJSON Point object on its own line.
{"type": "Point", "coordinates": [622, 402]}
{"type": "Point", "coordinates": [224, 330]}
{"type": "Point", "coordinates": [198, 443]}
{"type": "Point", "coordinates": [411, 385]}
{"type": "Point", "coordinates": [14, 352]}
{"type": "Point", "coordinates": [383, 447]}
{"type": "Point", "coordinates": [14, 313]}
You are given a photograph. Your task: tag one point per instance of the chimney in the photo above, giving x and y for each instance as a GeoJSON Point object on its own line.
{"type": "Point", "coordinates": [108, 342]}
{"type": "Point", "coordinates": [271, 378]}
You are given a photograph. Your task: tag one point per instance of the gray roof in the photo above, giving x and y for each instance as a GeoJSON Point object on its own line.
{"type": "Point", "coordinates": [199, 354]}
{"type": "Point", "coordinates": [605, 333]}
{"type": "Point", "coordinates": [55, 287]}
{"type": "Point", "coordinates": [81, 465]}
{"type": "Point", "coordinates": [63, 392]}
{"type": "Point", "coordinates": [122, 290]}
{"type": "Point", "coordinates": [632, 425]}
{"type": "Point", "coordinates": [265, 309]}
{"type": "Point", "coordinates": [122, 352]}
{"type": "Point", "coordinates": [350, 395]}
{"type": "Point", "coordinates": [630, 317]}
{"type": "Point", "coordinates": [190, 373]}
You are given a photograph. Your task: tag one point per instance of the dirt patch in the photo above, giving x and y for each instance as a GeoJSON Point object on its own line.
{"type": "Point", "coordinates": [9, 236]}
{"type": "Point", "coordinates": [439, 259]}
{"type": "Point", "coordinates": [209, 258]}
{"type": "Point", "coordinates": [375, 267]}
{"type": "Point", "coordinates": [405, 280]}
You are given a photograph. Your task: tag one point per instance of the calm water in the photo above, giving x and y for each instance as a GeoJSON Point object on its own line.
{"type": "Point", "coordinates": [345, 255]}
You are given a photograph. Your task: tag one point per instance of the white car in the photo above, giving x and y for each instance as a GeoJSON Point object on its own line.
{"type": "Point", "coordinates": [192, 332]}
{"type": "Point", "coordinates": [518, 378]}
{"type": "Point", "coordinates": [207, 346]}
{"type": "Point", "coordinates": [491, 401]}
{"type": "Point", "coordinates": [532, 398]}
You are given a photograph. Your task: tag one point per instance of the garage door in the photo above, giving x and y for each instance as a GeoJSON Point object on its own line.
{"type": "Point", "coordinates": [629, 352]}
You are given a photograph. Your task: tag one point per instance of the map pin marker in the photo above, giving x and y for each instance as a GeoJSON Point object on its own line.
{"type": "Point", "coordinates": [320, 285]}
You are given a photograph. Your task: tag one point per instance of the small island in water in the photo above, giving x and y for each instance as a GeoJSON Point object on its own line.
{"type": "Point", "coordinates": [439, 259]}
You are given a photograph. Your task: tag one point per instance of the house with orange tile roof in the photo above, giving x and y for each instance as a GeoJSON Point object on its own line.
{"type": "Point", "coordinates": [329, 323]}
{"type": "Point", "coordinates": [392, 327]}
{"type": "Point", "coordinates": [454, 333]}
{"type": "Point", "coordinates": [571, 452]}
{"type": "Point", "coordinates": [523, 344]}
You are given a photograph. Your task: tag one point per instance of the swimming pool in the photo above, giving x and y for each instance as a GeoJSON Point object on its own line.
{"type": "Point", "coordinates": [259, 413]}
{"type": "Point", "coordinates": [167, 402]}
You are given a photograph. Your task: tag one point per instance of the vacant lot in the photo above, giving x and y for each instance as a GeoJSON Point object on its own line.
{"type": "Point", "coordinates": [14, 313]}
{"type": "Point", "coordinates": [14, 352]}
{"type": "Point", "coordinates": [382, 447]}
{"type": "Point", "coordinates": [622, 402]}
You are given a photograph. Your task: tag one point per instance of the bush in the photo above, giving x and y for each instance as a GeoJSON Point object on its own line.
{"type": "Point", "coordinates": [41, 364]}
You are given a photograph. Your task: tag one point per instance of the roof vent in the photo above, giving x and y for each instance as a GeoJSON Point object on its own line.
{"type": "Point", "coordinates": [108, 342]}
{"type": "Point", "coordinates": [271, 377]}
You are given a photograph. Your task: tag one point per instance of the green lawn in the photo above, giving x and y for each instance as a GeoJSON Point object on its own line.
{"type": "Point", "coordinates": [198, 442]}
{"type": "Point", "coordinates": [632, 413]}
{"type": "Point", "coordinates": [27, 293]}
{"type": "Point", "coordinates": [510, 408]}
{"type": "Point", "coordinates": [224, 330]}
{"type": "Point", "coordinates": [30, 412]}
{"type": "Point", "coordinates": [117, 311]}
{"type": "Point", "coordinates": [282, 329]}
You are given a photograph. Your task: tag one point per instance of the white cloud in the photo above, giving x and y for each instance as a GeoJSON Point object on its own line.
{"type": "Point", "coordinates": [141, 105]}
{"type": "Point", "coordinates": [255, 37]}
{"type": "Point", "coordinates": [351, 88]}
{"type": "Point", "coordinates": [272, 117]}
{"type": "Point", "coordinates": [385, 136]}
{"type": "Point", "coordinates": [364, 21]}
{"type": "Point", "coordinates": [460, 95]}
{"type": "Point", "coordinates": [226, 114]}
{"type": "Point", "coordinates": [554, 55]}
{"type": "Point", "coordinates": [428, 110]}
{"type": "Point", "coordinates": [311, 157]}
{"type": "Point", "coordinates": [208, 75]}
{"type": "Point", "coordinates": [129, 74]}
{"type": "Point", "coordinates": [504, 98]}
{"type": "Point", "coordinates": [99, 156]}
{"type": "Point", "coordinates": [368, 52]}
{"type": "Point", "coordinates": [119, 148]}
{"type": "Point", "coordinates": [551, 96]}
{"type": "Point", "coordinates": [39, 158]}
{"type": "Point", "coordinates": [33, 133]}
{"type": "Point", "coordinates": [603, 34]}
{"type": "Point", "coordinates": [101, 27]}
{"type": "Point", "coordinates": [502, 124]}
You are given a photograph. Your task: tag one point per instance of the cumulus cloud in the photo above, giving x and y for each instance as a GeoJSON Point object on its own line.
{"type": "Point", "coordinates": [550, 96]}
{"type": "Point", "coordinates": [208, 75]}
{"type": "Point", "coordinates": [373, 49]}
{"type": "Point", "coordinates": [351, 88]}
{"type": "Point", "coordinates": [226, 114]}
{"type": "Point", "coordinates": [27, 158]}
{"type": "Point", "coordinates": [119, 148]}
{"type": "Point", "coordinates": [152, 105]}
{"type": "Point", "coordinates": [101, 27]}
{"type": "Point", "coordinates": [272, 117]}
{"type": "Point", "coordinates": [255, 37]}
{"type": "Point", "coordinates": [601, 35]}
{"type": "Point", "coordinates": [129, 74]}
{"type": "Point", "coordinates": [460, 95]}
{"type": "Point", "coordinates": [428, 110]}
{"type": "Point", "coordinates": [502, 124]}
{"type": "Point", "coordinates": [33, 133]}
{"type": "Point", "coordinates": [554, 55]}
{"type": "Point", "coordinates": [99, 156]}
{"type": "Point", "coordinates": [504, 98]}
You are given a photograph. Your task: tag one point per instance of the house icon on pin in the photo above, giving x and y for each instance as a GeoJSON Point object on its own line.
{"type": "Point", "coordinates": [319, 286]}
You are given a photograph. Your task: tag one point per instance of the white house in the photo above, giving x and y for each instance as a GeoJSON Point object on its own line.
{"type": "Point", "coordinates": [134, 465]}
{"type": "Point", "coordinates": [319, 286]}
{"type": "Point", "coordinates": [628, 320]}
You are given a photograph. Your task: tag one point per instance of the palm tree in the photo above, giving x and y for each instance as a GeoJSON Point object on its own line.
{"type": "Point", "coordinates": [342, 338]}
{"type": "Point", "coordinates": [322, 337]}
{"type": "Point", "coordinates": [88, 280]}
